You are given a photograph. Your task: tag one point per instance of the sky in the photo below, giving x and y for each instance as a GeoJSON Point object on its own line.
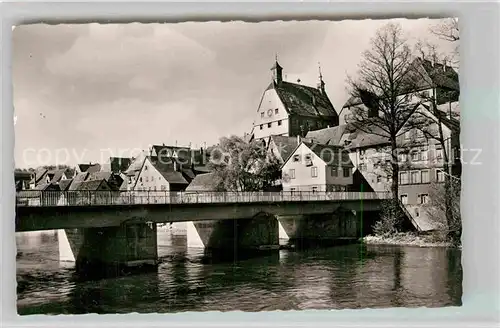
{"type": "Point", "coordinates": [85, 92]}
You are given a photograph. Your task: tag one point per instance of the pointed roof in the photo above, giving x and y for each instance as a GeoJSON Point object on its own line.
{"type": "Point", "coordinates": [202, 182]}
{"type": "Point", "coordinates": [328, 136]}
{"type": "Point", "coordinates": [167, 171]}
{"type": "Point", "coordinates": [304, 100]}
{"type": "Point", "coordinates": [65, 183]}
{"type": "Point", "coordinates": [285, 145]}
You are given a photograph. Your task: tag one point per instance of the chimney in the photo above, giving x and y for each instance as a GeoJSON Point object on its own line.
{"type": "Point", "coordinates": [444, 65]}
{"type": "Point", "coordinates": [328, 126]}
{"type": "Point", "coordinates": [298, 139]}
{"type": "Point", "coordinates": [175, 166]}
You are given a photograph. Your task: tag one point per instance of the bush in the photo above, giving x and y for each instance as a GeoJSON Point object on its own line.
{"type": "Point", "coordinates": [390, 221]}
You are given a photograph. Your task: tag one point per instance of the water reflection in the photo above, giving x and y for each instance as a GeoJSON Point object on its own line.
{"type": "Point", "coordinates": [188, 279]}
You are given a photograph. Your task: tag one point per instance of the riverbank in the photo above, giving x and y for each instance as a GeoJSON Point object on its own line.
{"type": "Point", "coordinates": [407, 239]}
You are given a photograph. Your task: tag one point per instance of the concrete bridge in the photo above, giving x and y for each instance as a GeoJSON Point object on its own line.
{"type": "Point", "coordinates": [107, 227]}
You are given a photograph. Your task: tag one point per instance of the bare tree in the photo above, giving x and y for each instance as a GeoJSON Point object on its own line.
{"type": "Point", "coordinates": [448, 30]}
{"type": "Point", "coordinates": [382, 79]}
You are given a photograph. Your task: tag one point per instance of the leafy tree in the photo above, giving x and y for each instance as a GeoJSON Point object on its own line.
{"type": "Point", "coordinates": [238, 165]}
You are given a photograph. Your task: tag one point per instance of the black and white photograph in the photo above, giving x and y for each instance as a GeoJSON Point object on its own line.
{"type": "Point", "coordinates": [237, 166]}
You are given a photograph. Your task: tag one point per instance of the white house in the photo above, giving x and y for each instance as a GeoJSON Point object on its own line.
{"type": "Point", "coordinates": [316, 167]}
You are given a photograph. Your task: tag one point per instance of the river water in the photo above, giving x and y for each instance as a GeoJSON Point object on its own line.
{"type": "Point", "coordinates": [339, 277]}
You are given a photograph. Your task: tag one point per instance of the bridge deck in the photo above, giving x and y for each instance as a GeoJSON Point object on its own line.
{"type": "Point", "coordinates": [36, 198]}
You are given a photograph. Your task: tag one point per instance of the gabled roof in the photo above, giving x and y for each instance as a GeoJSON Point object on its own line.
{"type": "Point", "coordinates": [96, 167]}
{"type": "Point", "coordinates": [443, 76]}
{"type": "Point", "coordinates": [202, 182]}
{"type": "Point", "coordinates": [82, 176]}
{"type": "Point", "coordinates": [285, 145]}
{"type": "Point", "coordinates": [99, 176]}
{"type": "Point", "coordinates": [39, 174]}
{"type": "Point", "coordinates": [304, 100]}
{"type": "Point", "coordinates": [167, 171]}
{"type": "Point", "coordinates": [56, 175]}
{"type": "Point", "coordinates": [65, 184]}
{"type": "Point", "coordinates": [90, 185]}
{"type": "Point", "coordinates": [328, 136]}
{"type": "Point", "coordinates": [330, 154]}
{"type": "Point", "coordinates": [47, 186]}
{"type": "Point", "coordinates": [119, 164]}
{"type": "Point", "coordinates": [361, 139]}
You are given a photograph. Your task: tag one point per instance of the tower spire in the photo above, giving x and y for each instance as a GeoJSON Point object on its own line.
{"type": "Point", "coordinates": [277, 71]}
{"type": "Point", "coordinates": [321, 83]}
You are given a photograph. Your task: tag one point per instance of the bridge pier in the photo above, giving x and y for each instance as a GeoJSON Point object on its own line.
{"type": "Point", "coordinates": [109, 250]}
{"type": "Point", "coordinates": [342, 226]}
{"type": "Point", "coordinates": [260, 232]}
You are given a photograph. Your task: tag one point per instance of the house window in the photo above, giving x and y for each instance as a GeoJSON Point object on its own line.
{"type": "Point", "coordinates": [293, 189]}
{"type": "Point", "coordinates": [262, 114]}
{"type": "Point", "coordinates": [296, 158]}
{"type": "Point", "coordinates": [361, 152]}
{"type": "Point", "coordinates": [417, 212]}
{"type": "Point", "coordinates": [379, 179]}
{"type": "Point", "coordinates": [154, 188]}
{"type": "Point", "coordinates": [404, 199]}
{"type": "Point", "coordinates": [362, 167]}
{"type": "Point", "coordinates": [314, 171]}
{"type": "Point", "coordinates": [140, 179]}
{"type": "Point", "coordinates": [269, 124]}
{"type": "Point", "coordinates": [423, 198]}
{"type": "Point", "coordinates": [347, 172]}
{"type": "Point", "coordinates": [335, 172]}
{"type": "Point", "coordinates": [147, 179]}
{"type": "Point", "coordinates": [439, 176]}
{"type": "Point", "coordinates": [403, 157]}
{"type": "Point", "coordinates": [279, 122]}
{"type": "Point", "coordinates": [261, 126]}
{"type": "Point", "coordinates": [163, 187]}
{"type": "Point", "coordinates": [403, 178]}
{"type": "Point", "coordinates": [145, 167]}
{"type": "Point", "coordinates": [415, 155]}
{"type": "Point", "coordinates": [420, 134]}
{"type": "Point", "coordinates": [407, 135]}
{"type": "Point", "coordinates": [439, 152]}
{"type": "Point", "coordinates": [425, 152]}
{"type": "Point", "coordinates": [415, 177]}
{"type": "Point", "coordinates": [425, 176]}
{"type": "Point", "coordinates": [292, 174]}
{"type": "Point", "coordinates": [276, 111]}
{"type": "Point", "coordinates": [308, 157]}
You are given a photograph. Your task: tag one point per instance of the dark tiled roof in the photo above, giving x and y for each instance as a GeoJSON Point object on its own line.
{"type": "Point", "coordinates": [82, 176]}
{"type": "Point", "coordinates": [361, 139]}
{"type": "Point", "coordinates": [39, 174]}
{"type": "Point", "coordinates": [65, 184]}
{"type": "Point", "coordinates": [22, 175]}
{"type": "Point", "coordinates": [119, 164]}
{"type": "Point", "coordinates": [285, 145]}
{"type": "Point", "coordinates": [328, 136]}
{"type": "Point", "coordinates": [89, 167]}
{"type": "Point", "coordinates": [91, 185]}
{"type": "Point", "coordinates": [331, 155]}
{"type": "Point", "coordinates": [99, 176]}
{"type": "Point", "coordinates": [202, 182]}
{"type": "Point", "coordinates": [47, 186]}
{"type": "Point", "coordinates": [445, 78]}
{"type": "Point", "coordinates": [167, 171]}
{"type": "Point", "coordinates": [56, 175]}
{"type": "Point", "coordinates": [304, 100]}
{"type": "Point", "coordinates": [135, 165]}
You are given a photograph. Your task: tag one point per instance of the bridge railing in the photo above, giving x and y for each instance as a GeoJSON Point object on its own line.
{"type": "Point", "coordinates": [82, 198]}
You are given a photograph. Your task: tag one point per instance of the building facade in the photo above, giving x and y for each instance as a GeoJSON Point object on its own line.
{"type": "Point", "coordinates": [317, 168]}
{"type": "Point", "coordinates": [292, 109]}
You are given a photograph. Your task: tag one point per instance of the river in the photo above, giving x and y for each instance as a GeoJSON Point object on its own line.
{"type": "Point", "coordinates": [340, 277]}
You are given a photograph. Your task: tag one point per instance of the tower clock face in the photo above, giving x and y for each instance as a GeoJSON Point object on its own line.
{"type": "Point", "coordinates": [270, 112]}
